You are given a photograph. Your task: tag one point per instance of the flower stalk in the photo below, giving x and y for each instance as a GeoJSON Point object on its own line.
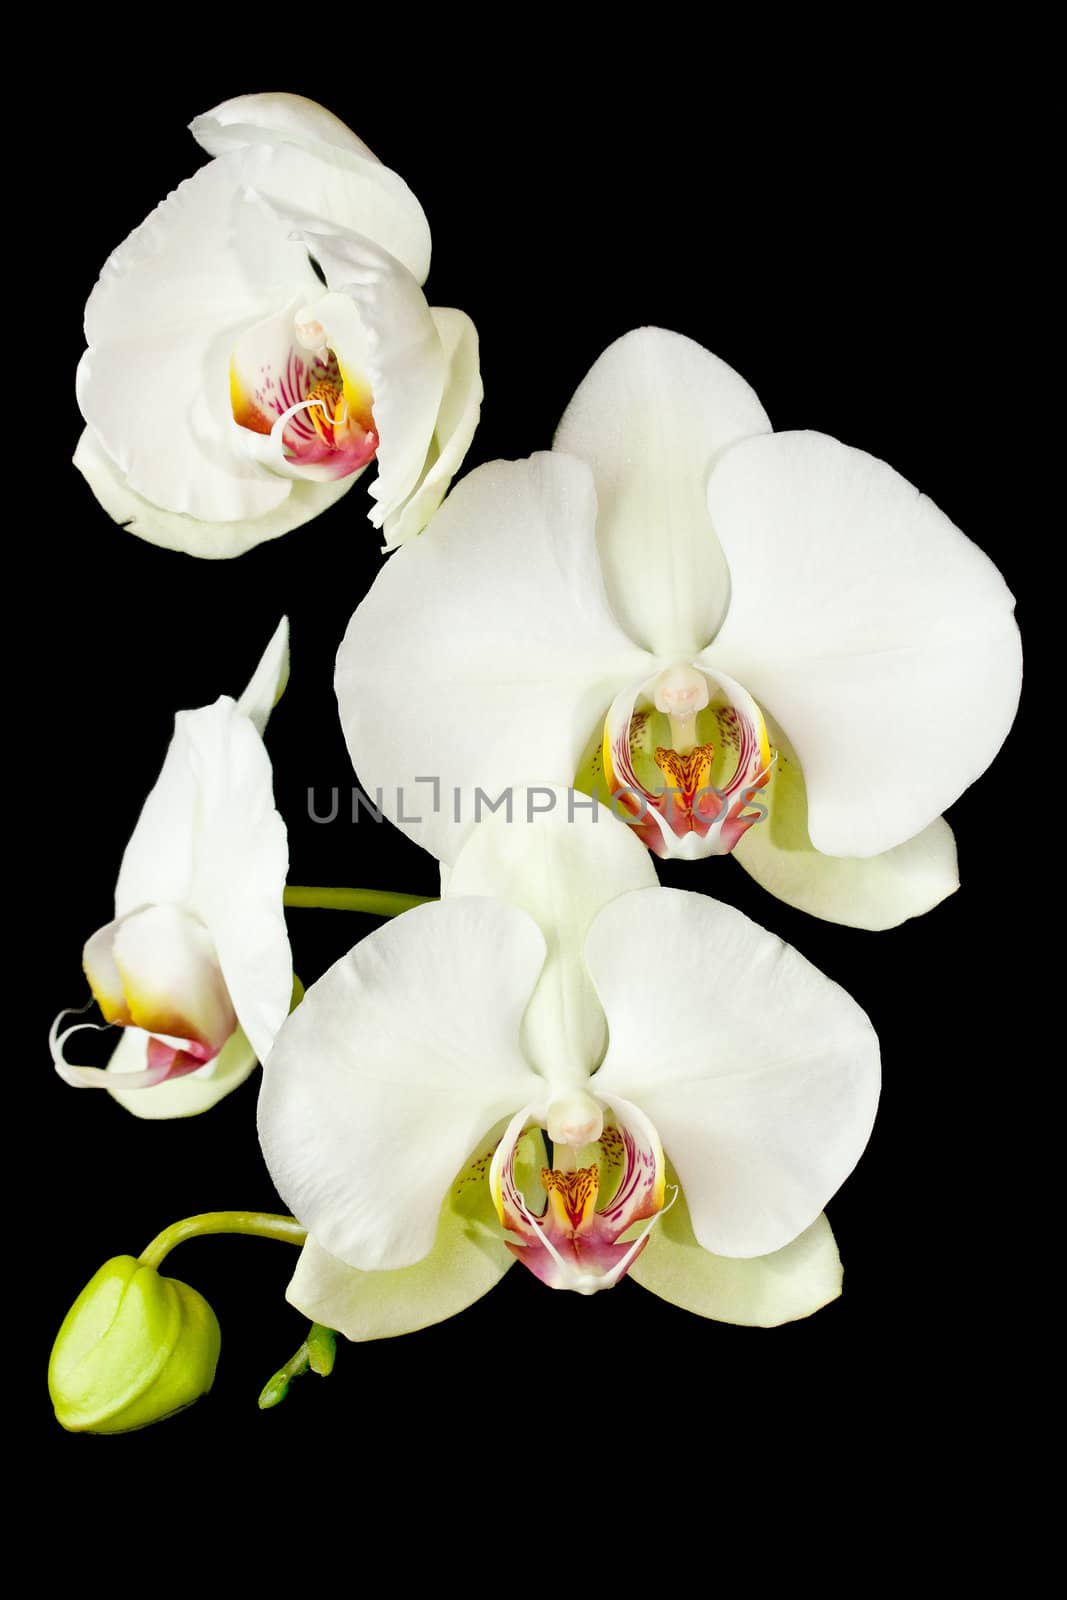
{"type": "Point", "coordinates": [376, 902]}
{"type": "Point", "coordinates": [259, 1224]}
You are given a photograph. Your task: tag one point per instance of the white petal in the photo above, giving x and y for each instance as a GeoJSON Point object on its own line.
{"type": "Point", "coordinates": [298, 153]}
{"type": "Point", "coordinates": [561, 868]}
{"type": "Point", "coordinates": [154, 384]}
{"type": "Point", "coordinates": [485, 654]}
{"type": "Point", "coordinates": [875, 633]}
{"type": "Point", "coordinates": [179, 1097]}
{"type": "Point", "coordinates": [649, 419]}
{"type": "Point", "coordinates": [457, 420]}
{"type": "Point", "coordinates": [210, 540]}
{"type": "Point", "coordinates": [267, 684]}
{"type": "Point", "coordinates": [861, 892]}
{"type": "Point", "coordinates": [468, 1258]}
{"type": "Point", "coordinates": [389, 327]}
{"type": "Point", "coordinates": [209, 839]}
{"type": "Point", "coordinates": [393, 1069]}
{"type": "Point", "coordinates": [249, 120]}
{"type": "Point", "coordinates": [105, 979]}
{"type": "Point", "coordinates": [760, 1075]}
{"type": "Point", "coordinates": [761, 1292]}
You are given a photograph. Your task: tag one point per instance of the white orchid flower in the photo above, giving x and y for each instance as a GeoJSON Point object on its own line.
{"type": "Point", "coordinates": [195, 966]}
{"type": "Point", "coordinates": [229, 393]}
{"type": "Point", "coordinates": [685, 1065]}
{"type": "Point", "coordinates": [707, 621]}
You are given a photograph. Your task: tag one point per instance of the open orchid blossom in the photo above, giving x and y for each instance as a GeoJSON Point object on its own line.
{"type": "Point", "coordinates": [231, 391]}
{"type": "Point", "coordinates": [702, 1089]}
{"type": "Point", "coordinates": [746, 641]}
{"type": "Point", "coordinates": [195, 966]}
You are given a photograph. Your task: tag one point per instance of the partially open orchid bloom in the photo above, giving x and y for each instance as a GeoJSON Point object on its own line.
{"type": "Point", "coordinates": [563, 1064]}
{"type": "Point", "coordinates": [231, 391]}
{"type": "Point", "coordinates": [754, 642]}
{"type": "Point", "coordinates": [195, 966]}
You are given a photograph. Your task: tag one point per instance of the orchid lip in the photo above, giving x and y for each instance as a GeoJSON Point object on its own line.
{"type": "Point", "coordinates": [684, 756]}
{"type": "Point", "coordinates": [288, 386]}
{"type": "Point", "coordinates": [155, 969]}
{"type": "Point", "coordinates": [590, 1202]}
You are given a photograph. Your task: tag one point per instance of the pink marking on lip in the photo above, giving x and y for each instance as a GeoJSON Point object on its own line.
{"type": "Point", "coordinates": [170, 1062]}
{"type": "Point", "coordinates": [555, 1250]}
{"type": "Point", "coordinates": [343, 446]}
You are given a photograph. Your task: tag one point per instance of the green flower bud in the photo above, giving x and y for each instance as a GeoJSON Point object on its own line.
{"type": "Point", "coordinates": [134, 1348]}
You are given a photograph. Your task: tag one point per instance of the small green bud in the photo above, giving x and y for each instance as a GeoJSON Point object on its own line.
{"type": "Point", "coordinates": [134, 1348]}
{"type": "Point", "coordinates": [275, 1390]}
{"type": "Point", "coordinates": [322, 1349]}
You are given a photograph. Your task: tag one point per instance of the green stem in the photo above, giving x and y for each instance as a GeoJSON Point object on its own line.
{"type": "Point", "coordinates": [261, 1224]}
{"type": "Point", "coordinates": [379, 902]}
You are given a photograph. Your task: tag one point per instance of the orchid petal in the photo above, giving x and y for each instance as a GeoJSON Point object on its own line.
{"type": "Point", "coordinates": [457, 419]}
{"type": "Point", "coordinates": [468, 1258]}
{"type": "Point", "coordinates": [213, 541]}
{"type": "Point", "coordinates": [561, 869]}
{"type": "Point", "coordinates": [160, 324]}
{"type": "Point", "coordinates": [649, 419]}
{"type": "Point", "coordinates": [386, 323]}
{"type": "Point", "coordinates": [877, 636]}
{"type": "Point", "coordinates": [759, 1074]}
{"type": "Point", "coordinates": [295, 152]}
{"type": "Point", "coordinates": [267, 684]}
{"type": "Point", "coordinates": [761, 1292]}
{"type": "Point", "coordinates": [209, 839]}
{"type": "Point", "coordinates": [430, 677]}
{"type": "Point", "coordinates": [861, 892]}
{"type": "Point", "coordinates": [185, 1096]}
{"type": "Point", "coordinates": [392, 1070]}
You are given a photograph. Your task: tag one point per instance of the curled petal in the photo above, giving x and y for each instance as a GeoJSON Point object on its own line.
{"type": "Point", "coordinates": [387, 324]}
{"type": "Point", "coordinates": [299, 155]}
{"type": "Point", "coordinates": [457, 419]}
{"type": "Point", "coordinates": [145, 1076]}
{"type": "Point", "coordinates": [878, 637]}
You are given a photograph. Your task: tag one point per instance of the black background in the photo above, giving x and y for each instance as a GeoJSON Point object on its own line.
{"type": "Point", "coordinates": [861, 255]}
